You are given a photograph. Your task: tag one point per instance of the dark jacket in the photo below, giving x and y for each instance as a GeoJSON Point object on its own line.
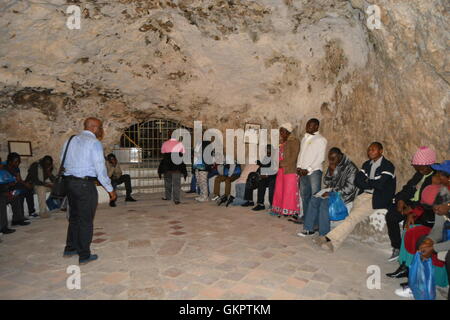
{"type": "Point", "coordinates": [408, 191]}
{"type": "Point", "coordinates": [167, 164]}
{"type": "Point", "coordinates": [410, 188]}
{"type": "Point", "coordinates": [33, 174]}
{"type": "Point", "coordinates": [343, 179]}
{"type": "Point", "coordinates": [384, 183]}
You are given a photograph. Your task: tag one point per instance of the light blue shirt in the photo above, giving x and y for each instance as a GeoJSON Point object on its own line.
{"type": "Point", "coordinates": [85, 159]}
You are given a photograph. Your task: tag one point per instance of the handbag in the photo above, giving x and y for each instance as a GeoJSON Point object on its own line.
{"type": "Point", "coordinates": [59, 188]}
{"type": "Point", "coordinates": [421, 279]}
{"type": "Point", "coordinates": [337, 210]}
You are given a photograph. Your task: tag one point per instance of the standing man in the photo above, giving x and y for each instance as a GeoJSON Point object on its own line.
{"type": "Point", "coordinates": [116, 176]}
{"type": "Point", "coordinates": [84, 164]}
{"type": "Point", "coordinates": [172, 171]}
{"type": "Point", "coordinates": [309, 163]}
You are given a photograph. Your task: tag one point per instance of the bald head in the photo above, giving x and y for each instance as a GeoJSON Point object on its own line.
{"type": "Point", "coordinates": [95, 126]}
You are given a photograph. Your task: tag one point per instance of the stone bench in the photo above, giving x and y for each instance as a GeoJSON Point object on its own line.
{"type": "Point", "coordinates": [233, 191]}
{"type": "Point", "coordinates": [103, 197]}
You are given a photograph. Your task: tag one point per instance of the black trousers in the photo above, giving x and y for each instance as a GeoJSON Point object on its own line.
{"type": "Point", "coordinates": [393, 218]}
{"type": "Point", "coordinates": [28, 195]}
{"type": "Point", "coordinates": [265, 183]}
{"type": "Point", "coordinates": [83, 197]}
{"type": "Point", "coordinates": [125, 178]}
{"type": "Point", "coordinates": [17, 209]}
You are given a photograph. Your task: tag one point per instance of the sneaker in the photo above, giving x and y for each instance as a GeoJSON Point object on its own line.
{"type": "Point", "coordinates": [92, 257]}
{"type": "Point", "coordinates": [201, 199]}
{"type": "Point", "coordinates": [306, 233]}
{"type": "Point", "coordinates": [229, 201]}
{"type": "Point", "coordinates": [222, 200]}
{"type": "Point", "coordinates": [395, 254]}
{"type": "Point", "coordinates": [404, 292]}
{"type": "Point", "coordinates": [215, 198]}
{"type": "Point", "coordinates": [401, 272]}
{"type": "Point", "coordinates": [259, 207]}
{"type": "Point", "coordinates": [33, 215]}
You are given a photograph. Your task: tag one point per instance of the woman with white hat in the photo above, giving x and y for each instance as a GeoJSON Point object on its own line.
{"type": "Point", "coordinates": [286, 197]}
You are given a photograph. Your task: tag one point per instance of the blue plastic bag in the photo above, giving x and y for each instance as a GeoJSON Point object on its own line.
{"type": "Point", "coordinates": [421, 279]}
{"type": "Point", "coordinates": [336, 207]}
{"type": "Point", "coordinates": [6, 177]}
{"type": "Point", "coordinates": [53, 203]}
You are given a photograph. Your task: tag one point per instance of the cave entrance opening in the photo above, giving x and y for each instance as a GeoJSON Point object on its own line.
{"type": "Point", "coordinates": [139, 154]}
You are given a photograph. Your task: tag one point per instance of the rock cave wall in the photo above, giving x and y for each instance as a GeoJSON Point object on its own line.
{"type": "Point", "coordinates": [227, 63]}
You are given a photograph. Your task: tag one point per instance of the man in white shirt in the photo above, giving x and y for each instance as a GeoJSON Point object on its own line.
{"type": "Point", "coordinates": [309, 163]}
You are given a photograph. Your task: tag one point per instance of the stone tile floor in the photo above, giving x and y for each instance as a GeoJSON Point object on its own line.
{"type": "Point", "coordinates": [153, 249]}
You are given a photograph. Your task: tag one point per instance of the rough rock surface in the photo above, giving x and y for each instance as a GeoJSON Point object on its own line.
{"type": "Point", "coordinates": [227, 63]}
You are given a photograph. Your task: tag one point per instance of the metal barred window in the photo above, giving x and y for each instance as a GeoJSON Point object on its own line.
{"type": "Point", "coordinates": [139, 154]}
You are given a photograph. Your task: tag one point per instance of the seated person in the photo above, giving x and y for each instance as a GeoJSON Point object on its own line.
{"type": "Point", "coordinates": [409, 196]}
{"type": "Point", "coordinates": [227, 173]}
{"type": "Point", "coordinates": [376, 182]}
{"type": "Point", "coordinates": [9, 196]}
{"type": "Point", "coordinates": [40, 176]}
{"type": "Point", "coordinates": [268, 178]}
{"type": "Point", "coordinates": [115, 173]}
{"type": "Point", "coordinates": [432, 243]}
{"type": "Point", "coordinates": [340, 177]}
{"type": "Point", "coordinates": [23, 189]}
{"type": "Point", "coordinates": [242, 195]}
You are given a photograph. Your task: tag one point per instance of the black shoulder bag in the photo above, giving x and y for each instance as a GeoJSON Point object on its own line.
{"type": "Point", "coordinates": [59, 188]}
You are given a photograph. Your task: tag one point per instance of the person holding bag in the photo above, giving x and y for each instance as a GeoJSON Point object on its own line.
{"type": "Point", "coordinates": [339, 178]}
{"type": "Point", "coordinates": [83, 163]}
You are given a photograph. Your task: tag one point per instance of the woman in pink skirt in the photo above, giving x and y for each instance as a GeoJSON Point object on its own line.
{"type": "Point", "coordinates": [286, 199]}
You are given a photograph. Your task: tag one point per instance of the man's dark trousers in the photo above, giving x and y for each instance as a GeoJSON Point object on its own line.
{"type": "Point", "coordinates": [125, 178]}
{"type": "Point", "coordinates": [393, 218]}
{"type": "Point", "coordinates": [265, 183]}
{"type": "Point", "coordinates": [83, 198]}
{"type": "Point", "coordinates": [17, 209]}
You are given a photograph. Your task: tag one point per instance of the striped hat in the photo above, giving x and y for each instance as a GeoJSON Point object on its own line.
{"type": "Point", "coordinates": [424, 157]}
